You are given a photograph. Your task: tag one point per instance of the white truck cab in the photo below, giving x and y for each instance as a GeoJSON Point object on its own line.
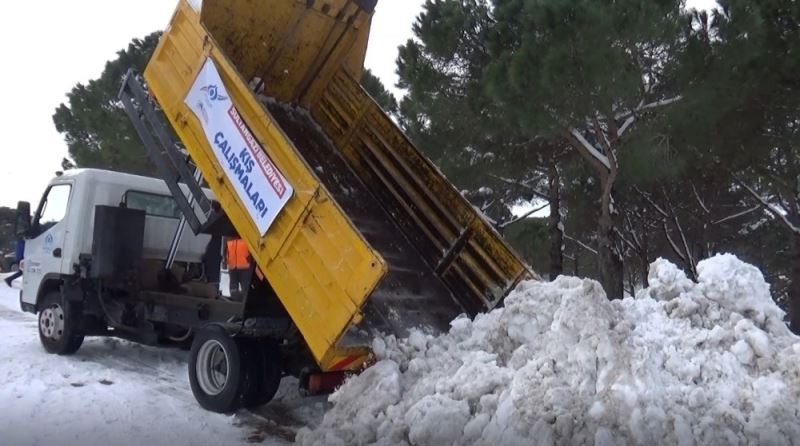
{"type": "Point", "coordinates": [62, 228]}
{"type": "Point", "coordinates": [106, 254]}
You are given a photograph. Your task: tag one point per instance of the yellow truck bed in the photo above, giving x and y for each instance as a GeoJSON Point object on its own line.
{"type": "Point", "coordinates": [374, 238]}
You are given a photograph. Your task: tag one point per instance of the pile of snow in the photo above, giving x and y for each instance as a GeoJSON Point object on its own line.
{"type": "Point", "coordinates": [682, 363]}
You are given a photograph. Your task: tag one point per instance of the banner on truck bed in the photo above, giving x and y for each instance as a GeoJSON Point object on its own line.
{"type": "Point", "coordinates": [259, 184]}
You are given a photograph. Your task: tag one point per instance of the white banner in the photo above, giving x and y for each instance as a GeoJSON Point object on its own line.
{"type": "Point", "coordinates": [259, 184]}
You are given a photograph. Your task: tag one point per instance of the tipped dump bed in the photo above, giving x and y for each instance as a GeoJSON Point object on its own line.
{"type": "Point", "coordinates": [374, 238]}
{"type": "Point", "coordinates": [411, 294]}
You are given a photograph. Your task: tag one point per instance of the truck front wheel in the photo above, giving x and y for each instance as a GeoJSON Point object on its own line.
{"type": "Point", "coordinates": [218, 367]}
{"type": "Point", "coordinates": [56, 326]}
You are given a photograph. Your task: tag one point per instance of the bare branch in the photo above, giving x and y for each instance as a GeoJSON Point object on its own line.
{"type": "Point", "coordinates": [699, 200]}
{"type": "Point", "coordinates": [581, 244]}
{"type": "Point", "coordinates": [651, 202]}
{"type": "Point", "coordinates": [689, 256]}
{"type": "Point", "coordinates": [523, 216]}
{"type": "Point", "coordinates": [672, 243]}
{"type": "Point", "coordinates": [642, 106]}
{"type": "Point", "coordinates": [661, 103]}
{"type": "Point", "coordinates": [632, 229]}
{"type": "Point", "coordinates": [735, 216]}
{"type": "Point", "coordinates": [772, 209]}
{"type": "Point", "coordinates": [590, 149]}
{"type": "Point", "coordinates": [625, 126]}
{"type": "Point", "coordinates": [782, 201]}
{"type": "Point", "coordinates": [626, 241]}
{"type": "Point", "coordinates": [630, 116]}
{"type": "Point", "coordinates": [524, 185]}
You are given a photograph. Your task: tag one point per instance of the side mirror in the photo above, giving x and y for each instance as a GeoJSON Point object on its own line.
{"type": "Point", "coordinates": [22, 224]}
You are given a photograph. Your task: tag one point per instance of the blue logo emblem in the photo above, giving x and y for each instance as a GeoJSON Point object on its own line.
{"type": "Point", "coordinates": [48, 242]}
{"type": "Point", "coordinates": [212, 91]}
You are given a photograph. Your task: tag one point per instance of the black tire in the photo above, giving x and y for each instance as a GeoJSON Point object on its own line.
{"type": "Point", "coordinates": [57, 326]}
{"type": "Point", "coordinates": [218, 371]}
{"type": "Point", "coordinates": [267, 371]}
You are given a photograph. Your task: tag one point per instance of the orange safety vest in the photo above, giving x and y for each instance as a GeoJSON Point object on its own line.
{"type": "Point", "coordinates": [237, 254]}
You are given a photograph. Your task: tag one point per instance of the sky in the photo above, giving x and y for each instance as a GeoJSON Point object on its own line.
{"type": "Point", "coordinates": [48, 46]}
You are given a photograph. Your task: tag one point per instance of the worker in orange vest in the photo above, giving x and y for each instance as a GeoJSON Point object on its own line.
{"type": "Point", "coordinates": [238, 259]}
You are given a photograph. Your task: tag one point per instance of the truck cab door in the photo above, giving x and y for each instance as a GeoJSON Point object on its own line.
{"type": "Point", "coordinates": [45, 242]}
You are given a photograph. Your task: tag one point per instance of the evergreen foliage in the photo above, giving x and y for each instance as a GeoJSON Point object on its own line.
{"type": "Point", "coordinates": [93, 121]}
{"type": "Point", "coordinates": [650, 130]}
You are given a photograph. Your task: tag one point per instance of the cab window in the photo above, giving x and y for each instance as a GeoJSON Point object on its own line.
{"type": "Point", "coordinates": [152, 204]}
{"type": "Point", "coordinates": [54, 207]}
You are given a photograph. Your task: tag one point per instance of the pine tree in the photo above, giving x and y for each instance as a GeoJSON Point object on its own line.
{"type": "Point", "coordinates": [450, 116]}
{"type": "Point", "coordinates": [94, 124]}
{"type": "Point", "coordinates": [749, 96]}
{"type": "Point", "coordinates": [378, 91]}
{"type": "Point", "coordinates": [588, 71]}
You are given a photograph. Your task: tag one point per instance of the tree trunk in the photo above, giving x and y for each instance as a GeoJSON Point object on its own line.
{"type": "Point", "coordinates": [645, 271]}
{"type": "Point", "coordinates": [794, 287]}
{"type": "Point", "coordinates": [556, 227]}
{"type": "Point", "coordinates": [611, 273]}
{"type": "Point", "coordinates": [645, 259]}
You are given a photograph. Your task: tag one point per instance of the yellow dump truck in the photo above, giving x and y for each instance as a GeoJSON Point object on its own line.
{"type": "Point", "coordinates": [351, 230]}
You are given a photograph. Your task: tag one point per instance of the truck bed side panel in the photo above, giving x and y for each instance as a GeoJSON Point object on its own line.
{"type": "Point", "coordinates": [453, 237]}
{"type": "Point", "coordinates": [317, 262]}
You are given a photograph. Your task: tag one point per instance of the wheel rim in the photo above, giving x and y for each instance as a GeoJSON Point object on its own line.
{"type": "Point", "coordinates": [51, 322]}
{"type": "Point", "coordinates": [212, 367]}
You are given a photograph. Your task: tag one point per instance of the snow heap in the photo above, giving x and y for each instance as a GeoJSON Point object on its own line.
{"type": "Point", "coordinates": [682, 363]}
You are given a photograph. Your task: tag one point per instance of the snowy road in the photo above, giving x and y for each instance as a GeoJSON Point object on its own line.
{"type": "Point", "coordinates": [120, 393]}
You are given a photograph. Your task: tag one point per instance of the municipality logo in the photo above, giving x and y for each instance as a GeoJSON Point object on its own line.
{"type": "Point", "coordinates": [212, 92]}
{"type": "Point", "coordinates": [48, 242]}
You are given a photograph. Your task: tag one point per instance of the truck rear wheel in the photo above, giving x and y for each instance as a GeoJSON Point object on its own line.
{"type": "Point", "coordinates": [218, 371]}
{"type": "Point", "coordinates": [56, 323]}
{"type": "Point", "coordinates": [267, 371]}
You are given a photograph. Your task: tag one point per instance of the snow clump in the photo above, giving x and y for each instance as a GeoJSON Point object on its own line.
{"type": "Point", "coordinates": [681, 363]}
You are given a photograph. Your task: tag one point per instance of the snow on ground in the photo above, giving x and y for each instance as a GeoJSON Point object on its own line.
{"type": "Point", "coordinates": [114, 392]}
{"type": "Point", "coordinates": [681, 363]}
